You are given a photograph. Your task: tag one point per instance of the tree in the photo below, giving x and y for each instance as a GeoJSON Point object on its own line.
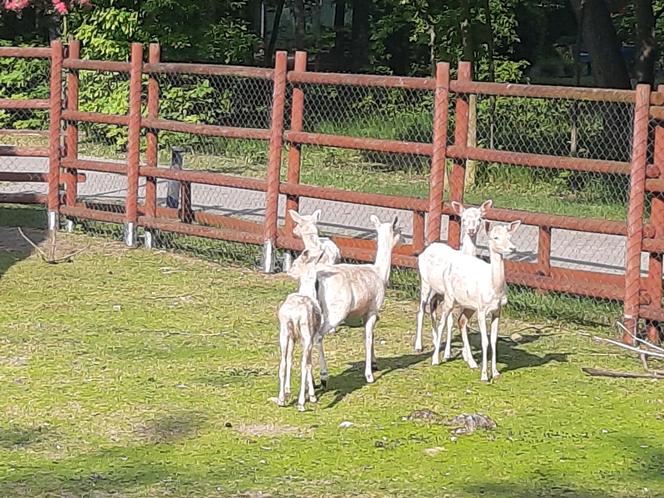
{"type": "Point", "coordinates": [599, 35]}
{"type": "Point", "coordinates": [339, 49]}
{"type": "Point", "coordinates": [646, 42]}
{"type": "Point", "coordinates": [300, 23]}
{"type": "Point", "coordinates": [360, 34]}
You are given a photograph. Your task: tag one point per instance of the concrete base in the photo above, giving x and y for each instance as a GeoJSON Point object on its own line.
{"type": "Point", "coordinates": [267, 263]}
{"type": "Point", "coordinates": [69, 225]}
{"type": "Point", "coordinates": [148, 239]}
{"type": "Point", "coordinates": [287, 261]}
{"type": "Point", "coordinates": [130, 234]}
{"type": "Point", "coordinates": [53, 220]}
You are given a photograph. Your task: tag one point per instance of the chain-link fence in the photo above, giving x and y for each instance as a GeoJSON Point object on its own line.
{"type": "Point", "coordinates": [561, 162]}
{"type": "Point", "coordinates": [24, 128]}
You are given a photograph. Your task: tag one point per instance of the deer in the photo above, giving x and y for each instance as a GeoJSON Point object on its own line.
{"type": "Point", "coordinates": [478, 287]}
{"type": "Point", "coordinates": [299, 319]}
{"type": "Point", "coordinates": [429, 265]}
{"type": "Point", "coordinates": [306, 228]}
{"type": "Point", "coordinates": [353, 294]}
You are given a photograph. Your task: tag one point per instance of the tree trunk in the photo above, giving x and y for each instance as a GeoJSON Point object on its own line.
{"type": "Point", "coordinates": [274, 34]}
{"type": "Point", "coordinates": [300, 23]}
{"type": "Point", "coordinates": [599, 34]}
{"type": "Point", "coordinates": [467, 42]}
{"type": "Point", "coordinates": [360, 34]}
{"type": "Point", "coordinates": [646, 42]}
{"type": "Point", "coordinates": [339, 50]}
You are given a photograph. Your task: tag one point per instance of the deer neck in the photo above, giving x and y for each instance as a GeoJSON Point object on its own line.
{"type": "Point", "coordinates": [383, 262]}
{"type": "Point", "coordinates": [308, 286]}
{"type": "Point", "coordinates": [497, 272]}
{"type": "Point", "coordinates": [311, 240]}
{"type": "Point", "coordinates": [468, 244]}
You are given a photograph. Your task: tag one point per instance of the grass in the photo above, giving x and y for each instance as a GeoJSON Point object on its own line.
{"type": "Point", "coordinates": [136, 373]}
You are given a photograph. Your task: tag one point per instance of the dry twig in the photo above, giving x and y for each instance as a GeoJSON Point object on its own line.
{"type": "Point", "coordinates": [51, 258]}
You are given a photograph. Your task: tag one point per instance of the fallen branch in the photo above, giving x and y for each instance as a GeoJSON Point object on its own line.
{"type": "Point", "coordinates": [639, 340]}
{"type": "Point", "coordinates": [51, 259]}
{"type": "Point", "coordinates": [596, 372]}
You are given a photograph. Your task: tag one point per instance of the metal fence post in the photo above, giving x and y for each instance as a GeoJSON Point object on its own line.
{"type": "Point", "coordinates": [636, 209]}
{"type": "Point", "coordinates": [294, 151]}
{"type": "Point", "coordinates": [437, 178]}
{"type": "Point", "coordinates": [54, 135]}
{"type": "Point", "coordinates": [274, 162]}
{"type": "Point", "coordinates": [133, 143]}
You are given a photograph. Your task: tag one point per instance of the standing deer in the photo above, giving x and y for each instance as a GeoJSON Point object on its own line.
{"type": "Point", "coordinates": [479, 287]}
{"type": "Point", "coordinates": [431, 264]}
{"type": "Point", "coordinates": [299, 319]}
{"type": "Point", "coordinates": [353, 294]}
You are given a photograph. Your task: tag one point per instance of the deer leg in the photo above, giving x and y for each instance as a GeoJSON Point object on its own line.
{"type": "Point", "coordinates": [324, 376]}
{"type": "Point", "coordinates": [310, 376]}
{"type": "Point", "coordinates": [306, 348]}
{"type": "Point", "coordinates": [447, 309]}
{"type": "Point", "coordinates": [481, 318]}
{"type": "Point", "coordinates": [425, 295]}
{"type": "Point", "coordinates": [368, 344]}
{"type": "Point", "coordinates": [448, 344]}
{"type": "Point", "coordinates": [283, 343]}
{"type": "Point", "coordinates": [495, 319]}
{"type": "Point", "coordinates": [289, 366]}
{"type": "Point", "coordinates": [464, 320]}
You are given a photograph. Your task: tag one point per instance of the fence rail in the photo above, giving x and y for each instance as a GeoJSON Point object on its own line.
{"type": "Point", "coordinates": [462, 130]}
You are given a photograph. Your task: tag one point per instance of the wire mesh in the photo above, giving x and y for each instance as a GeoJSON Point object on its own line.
{"type": "Point", "coordinates": [21, 79]}
{"type": "Point", "coordinates": [219, 101]}
{"type": "Point", "coordinates": [564, 128]}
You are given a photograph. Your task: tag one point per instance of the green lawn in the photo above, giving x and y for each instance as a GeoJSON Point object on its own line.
{"type": "Point", "coordinates": [136, 373]}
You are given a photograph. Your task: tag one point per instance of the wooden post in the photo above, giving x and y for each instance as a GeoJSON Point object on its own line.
{"type": "Point", "coordinates": [54, 135]}
{"type": "Point", "coordinates": [71, 133]}
{"type": "Point", "coordinates": [271, 223]}
{"type": "Point", "coordinates": [457, 178]}
{"type": "Point", "coordinates": [133, 143]}
{"type": "Point", "coordinates": [437, 178]}
{"type": "Point", "coordinates": [635, 212]}
{"type": "Point", "coordinates": [544, 251]}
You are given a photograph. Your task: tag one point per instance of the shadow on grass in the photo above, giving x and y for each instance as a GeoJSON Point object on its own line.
{"type": "Point", "coordinates": [15, 437]}
{"type": "Point", "coordinates": [13, 248]}
{"type": "Point", "coordinates": [353, 379]}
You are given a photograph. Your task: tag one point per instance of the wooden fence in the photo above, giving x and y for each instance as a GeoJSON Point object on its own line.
{"type": "Point", "coordinates": [640, 294]}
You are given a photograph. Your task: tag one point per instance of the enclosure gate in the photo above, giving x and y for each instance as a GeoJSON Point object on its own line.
{"type": "Point", "coordinates": [640, 294]}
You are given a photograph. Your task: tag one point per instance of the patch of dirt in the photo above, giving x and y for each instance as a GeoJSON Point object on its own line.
{"type": "Point", "coordinates": [268, 430]}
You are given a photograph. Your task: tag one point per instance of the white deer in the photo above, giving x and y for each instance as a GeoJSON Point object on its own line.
{"type": "Point", "coordinates": [306, 228]}
{"type": "Point", "coordinates": [353, 294]}
{"type": "Point", "coordinates": [299, 318]}
{"type": "Point", "coordinates": [431, 264]}
{"type": "Point", "coordinates": [479, 287]}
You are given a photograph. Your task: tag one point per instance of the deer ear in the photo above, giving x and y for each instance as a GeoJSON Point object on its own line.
{"type": "Point", "coordinates": [487, 226]}
{"type": "Point", "coordinates": [316, 215]}
{"type": "Point", "coordinates": [458, 207]}
{"type": "Point", "coordinates": [511, 228]}
{"type": "Point", "coordinates": [295, 216]}
{"type": "Point", "coordinates": [374, 219]}
{"type": "Point", "coordinates": [485, 206]}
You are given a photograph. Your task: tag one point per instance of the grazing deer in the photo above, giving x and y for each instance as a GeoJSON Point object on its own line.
{"type": "Point", "coordinates": [299, 319]}
{"type": "Point", "coordinates": [479, 287]}
{"type": "Point", "coordinates": [354, 294]}
{"type": "Point", "coordinates": [431, 264]}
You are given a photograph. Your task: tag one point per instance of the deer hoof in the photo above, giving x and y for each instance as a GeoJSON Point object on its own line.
{"type": "Point", "coordinates": [301, 408]}
{"type": "Point", "coordinates": [313, 399]}
{"type": "Point", "coordinates": [370, 378]}
{"type": "Point", "coordinates": [281, 402]}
